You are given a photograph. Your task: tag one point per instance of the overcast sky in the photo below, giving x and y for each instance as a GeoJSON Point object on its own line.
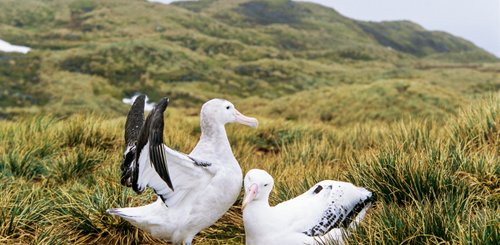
{"type": "Point", "coordinates": [475, 20]}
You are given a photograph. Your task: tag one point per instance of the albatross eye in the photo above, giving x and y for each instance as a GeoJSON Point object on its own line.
{"type": "Point", "coordinates": [266, 184]}
{"type": "Point", "coordinates": [227, 107]}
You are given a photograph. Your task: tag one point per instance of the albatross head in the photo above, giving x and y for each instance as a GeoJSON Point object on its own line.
{"type": "Point", "coordinates": [258, 185]}
{"type": "Point", "coordinates": [222, 111]}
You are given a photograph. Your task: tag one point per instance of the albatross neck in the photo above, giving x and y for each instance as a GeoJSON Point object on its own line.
{"type": "Point", "coordinates": [258, 216]}
{"type": "Point", "coordinates": [213, 140]}
{"type": "Point", "coordinates": [262, 204]}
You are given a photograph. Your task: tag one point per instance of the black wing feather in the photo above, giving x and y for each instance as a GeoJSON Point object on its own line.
{"type": "Point", "coordinates": [142, 140]}
{"type": "Point", "coordinates": [200, 163]}
{"type": "Point", "coordinates": [156, 151]}
{"type": "Point", "coordinates": [135, 120]}
{"type": "Point", "coordinates": [133, 125]}
{"type": "Point", "coordinates": [349, 218]}
{"type": "Point", "coordinates": [126, 167]}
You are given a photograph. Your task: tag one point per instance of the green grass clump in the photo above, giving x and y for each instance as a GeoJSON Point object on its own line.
{"type": "Point", "coordinates": [443, 191]}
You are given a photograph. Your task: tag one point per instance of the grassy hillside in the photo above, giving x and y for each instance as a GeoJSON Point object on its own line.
{"type": "Point", "coordinates": [103, 51]}
{"type": "Point", "coordinates": [411, 38]}
{"type": "Point", "coordinates": [410, 114]}
{"type": "Point", "coordinates": [434, 183]}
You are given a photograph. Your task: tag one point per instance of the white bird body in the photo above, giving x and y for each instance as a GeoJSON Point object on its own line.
{"type": "Point", "coordinates": [205, 183]}
{"type": "Point", "coordinates": [322, 213]}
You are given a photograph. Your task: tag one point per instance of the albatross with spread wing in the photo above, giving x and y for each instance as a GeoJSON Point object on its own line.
{"type": "Point", "coordinates": [194, 189]}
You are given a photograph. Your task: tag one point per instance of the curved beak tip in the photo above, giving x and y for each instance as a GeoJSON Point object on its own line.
{"type": "Point", "coordinates": [254, 123]}
{"type": "Point", "coordinates": [249, 121]}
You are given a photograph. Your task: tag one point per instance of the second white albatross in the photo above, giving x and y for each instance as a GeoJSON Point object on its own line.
{"type": "Point", "coordinates": [323, 213]}
{"type": "Point", "coordinates": [194, 190]}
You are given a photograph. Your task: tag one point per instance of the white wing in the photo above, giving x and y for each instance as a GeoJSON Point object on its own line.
{"type": "Point", "coordinates": [327, 205]}
{"type": "Point", "coordinates": [185, 174]}
{"type": "Point", "coordinates": [169, 173]}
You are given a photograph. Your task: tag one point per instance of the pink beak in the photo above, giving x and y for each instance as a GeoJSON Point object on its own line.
{"type": "Point", "coordinates": [250, 195]}
{"type": "Point", "coordinates": [249, 121]}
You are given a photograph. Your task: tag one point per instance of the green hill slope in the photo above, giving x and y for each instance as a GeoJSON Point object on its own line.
{"type": "Point", "coordinates": [103, 51]}
{"type": "Point", "coordinates": [304, 26]}
{"type": "Point", "coordinates": [411, 38]}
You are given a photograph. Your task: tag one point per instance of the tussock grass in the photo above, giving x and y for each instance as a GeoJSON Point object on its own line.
{"type": "Point", "coordinates": [443, 191]}
{"type": "Point", "coordinates": [434, 182]}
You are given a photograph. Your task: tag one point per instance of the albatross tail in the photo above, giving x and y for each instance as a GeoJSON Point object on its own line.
{"type": "Point", "coordinates": [139, 215]}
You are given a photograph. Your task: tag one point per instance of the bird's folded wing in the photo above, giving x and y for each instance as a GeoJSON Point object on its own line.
{"type": "Point", "coordinates": [327, 205]}
{"type": "Point", "coordinates": [345, 202]}
{"type": "Point", "coordinates": [304, 211]}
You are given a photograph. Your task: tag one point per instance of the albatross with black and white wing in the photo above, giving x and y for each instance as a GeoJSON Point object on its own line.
{"type": "Point", "coordinates": [324, 212]}
{"type": "Point", "coordinates": [194, 190]}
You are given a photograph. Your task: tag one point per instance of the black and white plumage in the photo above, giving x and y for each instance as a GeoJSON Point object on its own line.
{"type": "Point", "coordinates": [194, 190]}
{"type": "Point", "coordinates": [133, 126]}
{"type": "Point", "coordinates": [150, 140]}
{"type": "Point", "coordinates": [324, 212]}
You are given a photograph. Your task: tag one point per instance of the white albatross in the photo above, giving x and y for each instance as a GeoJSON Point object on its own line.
{"type": "Point", "coordinates": [323, 213]}
{"type": "Point", "coordinates": [194, 190]}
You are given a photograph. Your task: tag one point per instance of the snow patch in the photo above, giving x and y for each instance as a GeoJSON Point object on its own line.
{"type": "Point", "coordinates": [7, 47]}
